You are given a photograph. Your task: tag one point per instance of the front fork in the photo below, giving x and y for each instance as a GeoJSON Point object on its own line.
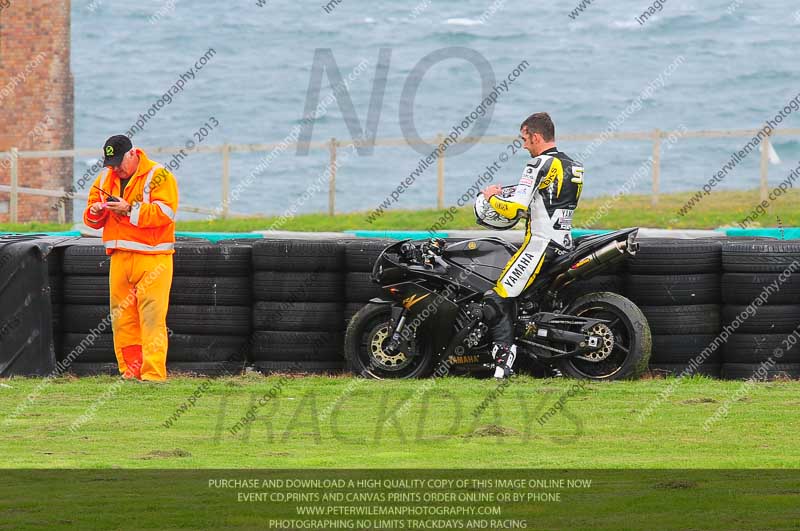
{"type": "Point", "coordinates": [396, 326]}
{"type": "Point", "coordinates": [398, 342]}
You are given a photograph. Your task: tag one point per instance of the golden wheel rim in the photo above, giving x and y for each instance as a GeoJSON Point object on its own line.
{"type": "Point", "coordinates": [376, 349]}
{"type": "Point", "coordinates": [606, 343]}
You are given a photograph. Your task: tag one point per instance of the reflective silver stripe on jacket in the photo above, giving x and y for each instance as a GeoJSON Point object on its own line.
{"type": "Point", "coordinates": [146, 193]}
{"type": "Point", "coordinates": [134, 219]}
{"type": "Point", "coordinates": [103, 180]}
{"type": "Point", "coordinates": [136, 246]}
{"type": "Point", "coordinates": [102, 198]}
{"type": "Point", "coordinates": [145, 197]}
{"type": "Point", "coordinates": [165, 209]}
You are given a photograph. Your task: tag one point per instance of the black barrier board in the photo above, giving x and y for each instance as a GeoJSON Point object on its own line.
{"type": "Point", "coordinates": [26, 331]}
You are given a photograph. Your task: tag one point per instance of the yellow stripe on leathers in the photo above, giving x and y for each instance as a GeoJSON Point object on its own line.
{"type": "Point", "coordinates": [536, 272]}
{"type": "Point", "coordinates": [578, 179]}
{"type": "Point", "coordinates": [499, 289]}
{"type": "Point", "coordinates": [556, 174]}
{"type": "Point", "coordinates": [507, 209]}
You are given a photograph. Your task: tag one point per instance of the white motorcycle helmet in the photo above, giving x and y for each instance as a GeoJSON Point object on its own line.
{"type": "Point", "coordinates": [487, 216]}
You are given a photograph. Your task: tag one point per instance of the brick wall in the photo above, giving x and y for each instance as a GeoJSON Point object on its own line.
{"type": "Point", "coordinates": [36, 100]}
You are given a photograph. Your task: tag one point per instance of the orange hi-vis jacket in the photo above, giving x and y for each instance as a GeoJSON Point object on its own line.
{"type": "Point", "coordinates": [153, 194]}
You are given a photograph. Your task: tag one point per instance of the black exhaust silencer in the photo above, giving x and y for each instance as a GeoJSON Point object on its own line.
{"type": "Point", "coordinates": [607, 255]}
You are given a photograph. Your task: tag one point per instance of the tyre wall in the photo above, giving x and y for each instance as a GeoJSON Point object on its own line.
{"type": "Point", "coordinates": [716, 307]}
{"type": "Point", "coordinates": [209, 317]}
{"type": "Point", "coordinates": [676, 284]}
{"type": "Point", "coordinates": [298, 289]}
{"type": "Point", "coordinates": [760, 309]}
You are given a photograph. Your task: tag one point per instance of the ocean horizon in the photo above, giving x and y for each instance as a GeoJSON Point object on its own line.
{"type": "Point", "coordinates": [726, 66]}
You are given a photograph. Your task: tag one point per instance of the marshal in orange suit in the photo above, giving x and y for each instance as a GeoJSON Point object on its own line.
{"type": "Point", "coordinates": [134, 201]}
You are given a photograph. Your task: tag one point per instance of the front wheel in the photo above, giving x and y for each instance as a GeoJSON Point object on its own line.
{"type": "Point", "coordinates": [626, 340]}
{"type": "Point", "coordinates": [366, 336]}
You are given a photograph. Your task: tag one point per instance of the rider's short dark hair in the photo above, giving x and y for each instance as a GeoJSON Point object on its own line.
{"type": "Point", "coordinates": [541, 123]}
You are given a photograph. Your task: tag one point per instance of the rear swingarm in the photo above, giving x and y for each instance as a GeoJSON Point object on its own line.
{"type": "Point", "coordinates": [545, 326]}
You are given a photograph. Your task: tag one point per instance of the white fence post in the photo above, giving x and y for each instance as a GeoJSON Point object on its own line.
{"type": "Point", "coordinates": [655, 136]}
{"type": "Point", "coordinates": [332, 180]}
{"type": "Point", "coordinates": [13, 205]}
{"type": "Point", "coordinates": [440, 175]}
{"type": "Point", "coordinates": [226, 179]}
{"type": "Point", "coordinates": [656, 166]}
{"type": "Point", "coordinates": [765, 147]}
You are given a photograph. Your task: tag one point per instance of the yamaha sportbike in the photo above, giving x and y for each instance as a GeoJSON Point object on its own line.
{"type": "Point", "coordinates": [432, 319]}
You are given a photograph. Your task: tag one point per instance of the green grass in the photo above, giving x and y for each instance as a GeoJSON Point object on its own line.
{"type": "Point", "coordinates": [720, 209]}
{"type": "Point", "coordinates": [613, 501]}
{"type": "Point", "coordinates": [133, 472]}
{"type": "Point", "coordinates": [34, 226]}
{"type": "Point", "coordinates": [599, 427]}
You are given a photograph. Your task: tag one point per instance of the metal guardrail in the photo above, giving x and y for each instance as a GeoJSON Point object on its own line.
{"type": "Point", "coordinates": [655, 136]}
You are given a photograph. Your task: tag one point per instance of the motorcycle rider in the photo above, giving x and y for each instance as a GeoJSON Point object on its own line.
{"type": "Point", "coordinates": [546, 196]}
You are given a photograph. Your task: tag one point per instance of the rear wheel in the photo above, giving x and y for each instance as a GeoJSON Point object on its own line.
{"type": "Point", "coordinates": [625, 345]}
{"type": "Point", "coordinates": [368, 333]}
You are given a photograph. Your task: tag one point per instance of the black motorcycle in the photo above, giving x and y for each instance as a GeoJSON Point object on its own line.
{"type": "Point", "coordinates": [435, 318]}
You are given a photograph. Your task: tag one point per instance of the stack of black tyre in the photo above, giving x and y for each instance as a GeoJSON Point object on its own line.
{"type": "Point", "coordinates": [209, 313]}
{"type": "Point", "coordinates": [210, 307]}
{"type": "Point", "coordinates": [85, 308]}
{"type": "Point", "coordinates": [359, 259]}
{"type": "Point", "coordinates": [676, 283]}
{"type": "Point", "coordinates": [764, 343]}
{"type": "Point", "coordinates": [297, 317]}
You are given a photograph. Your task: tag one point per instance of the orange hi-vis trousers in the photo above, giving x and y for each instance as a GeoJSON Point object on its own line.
{"type": "Point", "coordinates": [140, 285]}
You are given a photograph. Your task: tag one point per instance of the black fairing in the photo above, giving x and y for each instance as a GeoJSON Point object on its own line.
{"type": "Point", "coordinates": [586, 245]}
{"type": "Point", "coordinates": [484, 259]}
{"type": "Point", "coordinates": [462, 272]}
{"type": "Point", "coordinates": [583, 247]}
{"type": "Point", "coordinates": [485, 256]}
{"type": "Point", "coordinates": [434, 311]}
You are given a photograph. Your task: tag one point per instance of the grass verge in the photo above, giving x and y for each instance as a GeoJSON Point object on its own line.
{"type": "Point", "coordinates": [720, 209]}
{"type": "Point", "coordinates": [342, 422]}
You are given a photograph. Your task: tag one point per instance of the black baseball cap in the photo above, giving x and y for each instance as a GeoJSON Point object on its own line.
{"type": "Point", "coordinates": [115, 148]}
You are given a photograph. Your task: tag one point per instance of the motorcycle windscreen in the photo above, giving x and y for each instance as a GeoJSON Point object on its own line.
{"type": "Point", "coordinates": [484, 257]}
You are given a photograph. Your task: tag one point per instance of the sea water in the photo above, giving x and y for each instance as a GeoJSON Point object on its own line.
{"type": "Point", "coordinates": [738, 69]}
